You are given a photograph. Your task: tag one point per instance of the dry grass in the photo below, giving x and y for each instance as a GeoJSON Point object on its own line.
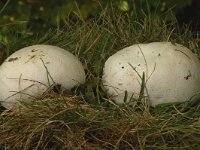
{"type": "Point", "coordinates": [72, 123]}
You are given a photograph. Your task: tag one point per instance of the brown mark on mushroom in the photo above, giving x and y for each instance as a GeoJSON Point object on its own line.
{"type": "Point", "coordinates": [12, 59]}
{"type": "Point", "coordinates": [34, 50]}
{"type": "Point", "coordinates": [33, 56]}
{"type": "Point", "coordinates": [159, 54]}
{"type": "Point", "coordinates": [188, 76]}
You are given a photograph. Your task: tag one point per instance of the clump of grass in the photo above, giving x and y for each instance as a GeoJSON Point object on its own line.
{"type": "Point", "coordinates": [72, 123]}
{"type": "Point", "coordinates": [88, 120]}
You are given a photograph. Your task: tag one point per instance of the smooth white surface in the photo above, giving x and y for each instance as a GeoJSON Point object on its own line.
{"type": "Point", "coordinates": [23, 74]}
{"type": "Point", "coordinates": [172, 73]}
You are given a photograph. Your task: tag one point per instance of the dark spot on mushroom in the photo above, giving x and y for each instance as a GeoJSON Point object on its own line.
{"type": "Point", "coordinates": [188, 76]}
{"type": "Point", "coordinates": [122, 67]}
{"type": "Point", "coordinates": [57, 88]}
{"type": "Point", "coordinates": [138, 64]}
{"type": "Point", "coordinates": [159, 54]}
{"type": "Point", "coordinates": [47, 62]}
{"type": "Point", "coordinates": [120, 83]}
{"type": "Point", "coordinates": [32, 56]}
{"type": "Point", "coordinates": [12, 59]}
{"type": "Point", "coordinates": [34, 50]}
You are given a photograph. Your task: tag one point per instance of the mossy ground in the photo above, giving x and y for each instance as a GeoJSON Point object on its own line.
{"type": "Point", "coordinates": [87, 119]}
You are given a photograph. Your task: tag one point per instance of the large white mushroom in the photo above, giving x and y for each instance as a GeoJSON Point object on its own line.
{"type": "Point", "coordinates": [171, 71]}
{"type": "Point", "coordinates": [29, 72]}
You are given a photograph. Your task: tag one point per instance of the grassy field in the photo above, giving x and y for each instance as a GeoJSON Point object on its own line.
{"type": "Point", "coordinates": [87, 119]}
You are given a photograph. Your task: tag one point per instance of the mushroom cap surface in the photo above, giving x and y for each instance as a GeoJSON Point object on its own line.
{"type": "Point", "coordinates": [171, 73]}
{"type": "Point", "coordinates": [30, 71]}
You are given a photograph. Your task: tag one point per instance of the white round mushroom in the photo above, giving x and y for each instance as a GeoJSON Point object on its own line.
{"type": "Point", "coordinates": [29, 72]}
{"type": "Point", "coordinates": [171, 71]}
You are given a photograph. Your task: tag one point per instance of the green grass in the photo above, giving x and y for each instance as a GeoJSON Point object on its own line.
{"type": "Point", "coordinates": [88, 119]}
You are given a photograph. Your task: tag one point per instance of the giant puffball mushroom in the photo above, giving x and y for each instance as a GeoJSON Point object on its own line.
{"type": "Point", "coordinates": [29, 72]}
{"type": "Point", "coordinates": [171, 73]}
